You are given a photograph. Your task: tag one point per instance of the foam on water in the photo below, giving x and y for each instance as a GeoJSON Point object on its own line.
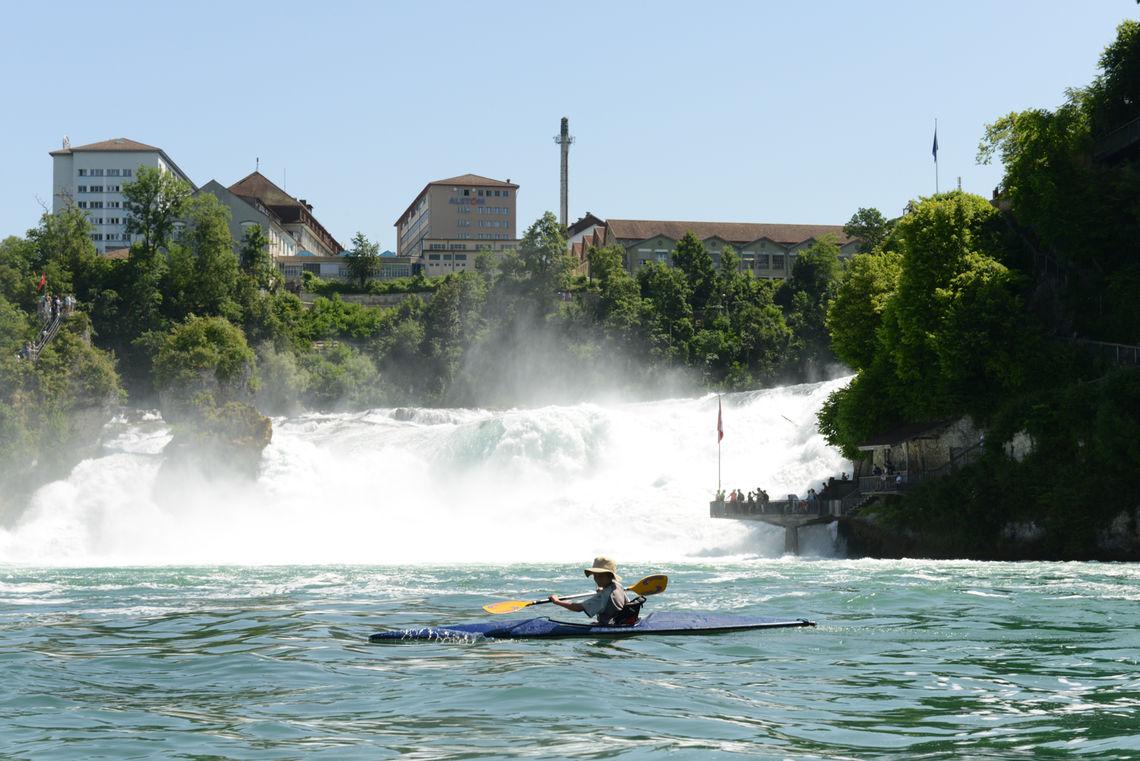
{"type": "Point", "coordinates": [414, 486]}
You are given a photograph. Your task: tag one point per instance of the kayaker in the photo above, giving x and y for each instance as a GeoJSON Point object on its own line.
{"type": "Point", "coordinates": [608, 602]}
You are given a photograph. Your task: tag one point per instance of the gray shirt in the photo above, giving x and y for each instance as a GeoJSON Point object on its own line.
{"type": "Point", "coordinates": [606, 603]}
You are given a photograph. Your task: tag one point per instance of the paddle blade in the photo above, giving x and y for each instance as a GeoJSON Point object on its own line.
{"type": "Point", "coordinates": [507, 606]}
{"type": "Point", "coordinates": [650, 585]}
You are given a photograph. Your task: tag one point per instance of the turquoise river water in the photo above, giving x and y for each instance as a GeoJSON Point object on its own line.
{"type": "Point", "coordinates": [910, 660]}
{"type": "Point", "coordinates": [151, 615]}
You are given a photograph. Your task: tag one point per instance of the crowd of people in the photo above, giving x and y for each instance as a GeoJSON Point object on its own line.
{"type": "Point", "coordinates": [50, 309]}
{"type": "Point", "coordinates": [758, 502]}
{"type": "Point", "coordinates": [888, 477]}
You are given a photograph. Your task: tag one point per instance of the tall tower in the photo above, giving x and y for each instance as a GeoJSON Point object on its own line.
{"type": "Point", "coordinates": [564, 141]}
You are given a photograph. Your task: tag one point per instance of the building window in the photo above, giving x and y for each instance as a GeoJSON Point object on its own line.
{"type": "Point", "coordinates": [506, 193]}
{"type": "Point", "coordinates": [82, 204]}
{"type": "Point", "coordinates": [126, 172]}
{"type": "Point", "coordinates": [761, 261]}
{"type": "Point", "coordinates": [81, 189]}
{"type": "Point", "coordinates": [112, 172]}
{"type": "Point", "coordinates": [778, 262]}
{"type": "Point", "coordinates": [96, 172]}
{"type": "Point", "coordinates": [96, 188]}
{"type": "Point", "coordinates": [96, 205]}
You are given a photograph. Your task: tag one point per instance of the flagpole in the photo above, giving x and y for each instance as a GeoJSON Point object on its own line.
{"type": "Point", "coordinates": [935, 150]}
{"type": "Point", "coordinates": [719, 436]}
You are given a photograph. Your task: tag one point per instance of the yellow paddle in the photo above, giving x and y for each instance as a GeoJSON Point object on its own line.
{"type": "Point", "coordinates": [650, 585]}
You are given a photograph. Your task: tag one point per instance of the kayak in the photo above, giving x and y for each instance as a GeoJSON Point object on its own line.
{"type": "Point", "coordinates": [663, 622]}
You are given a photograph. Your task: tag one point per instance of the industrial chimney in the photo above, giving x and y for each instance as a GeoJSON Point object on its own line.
{"type": "Point", "coordinates": [564, 140]}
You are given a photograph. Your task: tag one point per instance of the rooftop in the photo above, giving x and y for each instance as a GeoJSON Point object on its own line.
{"type": "Point", "coordinates": [735, 232]}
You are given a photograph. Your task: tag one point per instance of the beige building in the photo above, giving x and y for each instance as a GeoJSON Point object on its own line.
{"type": "Point", "coordinates": [766, 250]}
{"type": "Point", "coordinates": [452, 220]}
{"type": "Point", "coordinates": [93, 177]}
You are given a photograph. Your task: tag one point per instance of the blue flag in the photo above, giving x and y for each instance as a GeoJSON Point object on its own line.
{"type": "Point", "coordinates": [935, 149]}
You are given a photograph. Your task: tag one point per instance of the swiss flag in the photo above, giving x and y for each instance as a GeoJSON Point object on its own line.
{"type": "Point", "coordinates": [719, 422]}
{"type": "Point", "coordinates": [43, 280]}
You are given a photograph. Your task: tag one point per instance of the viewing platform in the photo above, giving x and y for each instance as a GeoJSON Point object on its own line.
{"type": "Point", "coordinates": [793, 513]}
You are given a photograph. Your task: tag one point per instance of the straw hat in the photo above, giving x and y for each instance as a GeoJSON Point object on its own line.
{"type": "Point", "coordinates": [604, 564]}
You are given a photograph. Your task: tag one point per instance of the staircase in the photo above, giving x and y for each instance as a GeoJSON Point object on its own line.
{"type": "Point", "coordinates": [51, 328]}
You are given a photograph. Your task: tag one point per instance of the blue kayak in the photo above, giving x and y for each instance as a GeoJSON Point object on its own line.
{"type": "Point", "coordinates": [663, 622]}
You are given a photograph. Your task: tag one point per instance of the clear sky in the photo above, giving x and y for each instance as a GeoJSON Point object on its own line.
{"type": "Point", "coordinates": [746, 111]}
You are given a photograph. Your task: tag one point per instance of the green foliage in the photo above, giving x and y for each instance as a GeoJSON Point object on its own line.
{"type": "Point", "coordinates": [693, 259]}
{"type": "Point", "coordinates": [1083, 206]}
{"type": "Point", "coordinates": [1112, 97]}
{"type": "Point", "coordinates": [204, 355]}
{"type": "Point", "coordinates": [934, 324]}
{"type": "Point", "coordinates": [153, 204]}
{"type": "Point", "coordinates": [807, 295]}
{"type": "Point", "coordinates": [203, 270]}
{"type": "Point", "coordinates": [870, 227]}
{"type": "Point", "coordinates": [46, 407]}
{"type": "Point", "coordinates": [544, 261]}
{"type": "Point", "coordinates": [254, 259]}
{"type": "Point", "coordinates": [856, 314]}
{"type": "Point", "coordinates": [341, 378]}
{"type": "Point", "coordinates": [363, 259]}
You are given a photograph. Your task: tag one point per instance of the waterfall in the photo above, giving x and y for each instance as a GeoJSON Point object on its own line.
{"type": "Point", "coordinates": [438, 486]}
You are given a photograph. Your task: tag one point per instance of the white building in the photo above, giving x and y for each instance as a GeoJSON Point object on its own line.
{"type": "Point", "coordinates": [247, 212]}
{"type": "Point", "coordinates": [94, 175]}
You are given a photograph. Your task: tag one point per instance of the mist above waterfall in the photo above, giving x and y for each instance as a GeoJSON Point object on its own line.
{"type": "Point", "coordinates": [415, 485]}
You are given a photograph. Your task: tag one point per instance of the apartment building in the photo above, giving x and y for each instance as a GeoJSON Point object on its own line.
{"type": "Point", "coordinates": [93, 177]}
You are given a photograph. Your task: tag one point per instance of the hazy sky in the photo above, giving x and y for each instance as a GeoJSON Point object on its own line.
{"type": "Point", "coordinates": [790, 112]}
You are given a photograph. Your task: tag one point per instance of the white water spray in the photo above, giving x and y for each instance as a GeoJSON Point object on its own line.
{"type": "Point", "coordinates": [554, 484]}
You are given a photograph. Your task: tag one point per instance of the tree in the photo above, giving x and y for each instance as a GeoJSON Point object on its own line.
{"type": "Point", "coordinates": [854, 317]}
{"type": "Point", "coordinates": [1113, 97]}
{"type": "Point", "coordinates": [62, 248]}
{"type": "Point", "coordinates": [255, 260]}
{"type": "Point", "coordinates": [692, 258]}
{"type": "Point", "coordinates": [215, 264]}
{"type": "Point", "coordinates": [544, 256]}
{"type": "Point", "coordinates": [870, 227]}
{"type": "Point", "coordinates": [808, 293]}
{"type": "Point", "coordinates": [153, 204]}
{"type": "Point", "coordinates": [605, 261]}
{"type": "Point", "coordinates": [205, 352]}
{"type": "Point", "coordinates": [363, 259]}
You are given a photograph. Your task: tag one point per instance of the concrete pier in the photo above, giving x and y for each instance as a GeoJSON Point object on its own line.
{"type": "Point", "coordinates": [774, 515]}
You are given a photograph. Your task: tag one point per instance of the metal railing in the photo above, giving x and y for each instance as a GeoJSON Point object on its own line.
{"type": "Point", "coordinates": [49, 331]}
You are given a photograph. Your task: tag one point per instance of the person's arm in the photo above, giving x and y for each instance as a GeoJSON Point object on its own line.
{"type": "Point", "coordinates": [574, 606]}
